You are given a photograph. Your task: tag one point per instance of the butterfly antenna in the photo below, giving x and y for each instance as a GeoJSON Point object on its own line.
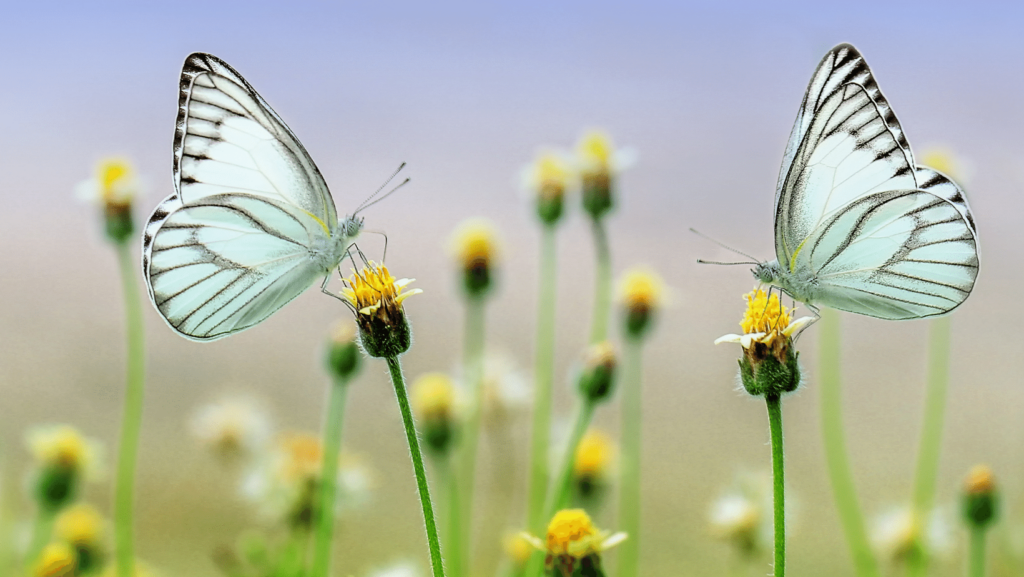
{"type": "Point", "coordinates": [366, 203]}
{"type": "Point", "coordinates": [725, 246]}
{"type": "Point", "coordinates": [702, 261]}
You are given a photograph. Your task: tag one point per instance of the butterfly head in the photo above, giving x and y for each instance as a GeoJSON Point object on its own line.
{"type": "Point", "coordinates": [350, 226]}
{"type": "Point", "coordinates": [767, 272]}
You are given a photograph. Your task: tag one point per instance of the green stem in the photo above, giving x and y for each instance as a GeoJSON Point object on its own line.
{"type": "Point", "coordinates": [976, 567]}
{"type": "Point", "coordinates": [543, 378]}
{"type": "Point", "coordinates": [329, 478]}
{"type": "Point", "coordinates": [398, 380]}
{"type": "Point", "coordinates": [559, 493]}
{"type": "Point", "coordinates": [453, 531]}
{"type": "Point", "coordinates": [930, 449]}
{"type": "Point", "coordinates": [473, 349]}
{"type": "Point", "coordinates": [835, 449]}
{"type": "Point", "coordinates": [41, 532]}
{"type": "Point", "coordinates": [629, 492]}
{"type": "Point", "coordinates": [131, 418]}
{"type": "Point", "coordinates": [602, 282]}
{"type": "Point", "coordinates": [774, 403]}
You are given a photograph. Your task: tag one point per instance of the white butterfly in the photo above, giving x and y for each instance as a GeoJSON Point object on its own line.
{"type": "Point", "coordinates": [251, 224]}
{"type": "Point", "coordinates": [858, 225]}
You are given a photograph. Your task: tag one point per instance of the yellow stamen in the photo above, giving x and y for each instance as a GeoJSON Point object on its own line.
{"type": "Point", "coordinates": [764, 314]}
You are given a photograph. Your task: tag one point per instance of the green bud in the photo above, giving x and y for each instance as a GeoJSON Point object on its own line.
{"type": "Point", "coordinates": [343, 355]}
{"type": "Point", "coordinates": [597, 194]}
{"type": "Point", "coordinates": [118, 223]}
{"type": "Point", "coordinates": [598, 375]}
{"type": "Point", "coordinates": [980, 499]}
{"type": "Point", "coordinates": [550, 203]}
{"type": "Point", "coordinates": [477, 278]}
{"type": "Point", "coordinates": [384, 337]}
{"type": "Point", "coordinates": [56, 487]}
{"type": "Point", "coordinates": [770, 369]}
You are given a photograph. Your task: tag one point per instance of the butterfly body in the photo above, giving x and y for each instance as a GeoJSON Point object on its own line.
{"type": "Point", "coordinates": [858, 225]}
{"type": "Point", "coordinates": [251, 224]}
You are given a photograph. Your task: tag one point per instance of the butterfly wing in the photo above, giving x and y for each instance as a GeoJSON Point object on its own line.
{"type": "Point", "coordinates": [224, 263]}
{"type": "Point", "coordinates": [846, 148]}
{"type": "Point", "coordinates": [894, 255]}
{"type": "Point", "coordinates": [233, 243]}
{"type": "Point", "coordinates": [227, 139]}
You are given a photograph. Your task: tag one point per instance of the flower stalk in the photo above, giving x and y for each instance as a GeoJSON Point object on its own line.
{"type": "Point", "coordinates": [629, 491]}
{"type": "Point", "coordinates": [328, 486]}
{"type": "Point", "coordinates": [836, 456]}
{"type": "Point", "coordinates": [602, 282]}
{"type": "Point", "coordinates": [543, 379]}
{"type": "Point", "coordinates": [473, 369]}
{"type": "Point", "coordinates": [774, 403]}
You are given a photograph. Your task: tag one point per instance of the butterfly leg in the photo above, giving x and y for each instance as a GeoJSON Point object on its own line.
{"type": "Point", "coordinates": [323, 289]}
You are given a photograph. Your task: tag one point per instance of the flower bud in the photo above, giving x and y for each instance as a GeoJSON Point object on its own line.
{"type": "Point", "coordinates": [56, 560]}
{"type": "Point", "coordinates": [593, 459]}
{"type": "Point", "coordinates": [595, 154]}
{"type": "Point", "coordinates": [573, 545]}
{"type": "Point", "coordinates": [598, 375]}
{"type": "Point", "coordinates": [82, 527]}
{"type": "Point", "coordinates": [548, 178]}
{"type": "Point", "coordinates": [641, 294]}
{"type": "Point", "coordinates": [114, 187]}
{"type": "Point", "coordinates": [342, 352]}
{"type": "Point", "coordinates": [433, 402]}
{"type": "Point", "coordinates": [980, 497]}
{"type": "Point", "coordinates": [475, 247]}
{"type": "Point", "coordinates": [377, 299]}
{"type": "Point", "coordinates": [63, 457]}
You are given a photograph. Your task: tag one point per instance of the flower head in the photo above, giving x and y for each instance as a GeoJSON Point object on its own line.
{"type": "Point", "coordinates": [769, 364]}
{"type": "Point", "coordinates": [231, 427]}
{"type": "Point", "coordinates": [573, 541]}
{"type": "Point", "coordinates": [506, 392]}
{"type": "Point", "coordinates": [548, 178]}
{"type": "Point", "coordinates": [433, 399]}
{"type": "Point", "coordinates": [598, 375]}
{"type": "Point", "coordinates": [599, 164]}
{"type": "Point", "coordinates": [642, 294]}
{"type": "Point", "coordinates": [899, 534]}
{"type": "Point", "coordinates": [82, 527]}
{"type": "Point", "coordinates": [980, 497]}
{"type": "Point", "coordinates": [114, 187]}
{"type": "Point", "coordinates": [742, 516]}
{"type": "Point", "coordinates": [475, 248]}
{"type": "Point", "coordinates": [377, 299]}
{"type": "Point", "coordinates": [594, 456]}
{"type": "Point", "coordinates": [943, 160]}
{"type": "Point", "coordinates": [63, 458]}
{"type": "Point", "coordinates": [56, 560]}
{"type": "Point", "coordinates": [519, 549]}
{"type": "Point", "coordinates": [342, 351]}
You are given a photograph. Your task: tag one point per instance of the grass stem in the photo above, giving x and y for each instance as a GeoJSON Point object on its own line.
{"type": "Point", "coordinates": [602, 283]}
{"type": "Point", "coordinates": [543, 377]}
{"type": "Point", "coordinates": [774, 403]}
{"type": "Point", "coordinates": [629, 491]}
{"type": "Point", "coordinates": [473, 349]}
{"type": "Point", "coordinates": [328, 488]}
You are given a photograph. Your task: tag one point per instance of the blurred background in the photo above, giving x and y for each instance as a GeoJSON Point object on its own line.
{"type": "Point", "coordinates": [465, 94]}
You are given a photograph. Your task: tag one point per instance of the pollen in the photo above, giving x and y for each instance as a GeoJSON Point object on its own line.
{"type": "Point", "coordinates": [375, 290]}
{"type": "Point", "coordinates": [764, 314]}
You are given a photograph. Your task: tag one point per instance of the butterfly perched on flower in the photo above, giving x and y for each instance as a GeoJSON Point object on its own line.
{"type": "Point", "coordinates": [859, 226]}
{"type": "Point", "coordinates": [251, 224]}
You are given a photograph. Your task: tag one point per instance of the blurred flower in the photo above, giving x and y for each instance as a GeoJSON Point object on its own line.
{"type": "Point", "coordinates": [506, 391]}
{"type": "Point", "coordinates": [598, 375]}
{"type": "Point", "coordinates": [63, 459]}
{"type": "Point", "coordinates": [342, 351]}
{"type": "Point", "coordinates": [475, 247]}
{"type": "Point", "coordinates": [285, 483]}
{"type": "Point", "coordinates": [400, 569]}
{"type": "Point", "coordinates": [572, 541]}
{"type": "Point", "coordinates": [548, 178]}
{"type": "Point", "coordinates": [377, 298]}
{"type": "Point", "coordinates": [980, 497]}
{"type": "Point", "coordinates": [642, 294]}
{"type": "Point", "coordinates": [56, 560]}
{"type": "Point", "coordinates": [769, 364]}
{"type": "Point", "coordinates": [433, 400]}
{"type": "Point", "coordinates": [599, 165]}
{"type": "Point", "coordinates": [82, 527]}
{"type": "Point", "coordinates": [114, 187]}
{"type": "Point", "coordinates": [594, 456]}
{"type": "Point", "coordinates": [898, 534]}
{"type": "Point", "coordinates": [519, 549]}
{"type": "Point", "coordinates": [231, 427]}
{"type": "Point", "coordinates": [742, 516]}
{"type": "Point", "coordinates": [945, 161]}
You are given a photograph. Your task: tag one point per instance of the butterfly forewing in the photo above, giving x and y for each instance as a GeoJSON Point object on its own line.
{"type": "Point", "coordinates": [229, 140]}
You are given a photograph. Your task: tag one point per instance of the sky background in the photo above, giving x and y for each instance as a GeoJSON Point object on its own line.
{"type": "Point", "coordinates": [465, 93]}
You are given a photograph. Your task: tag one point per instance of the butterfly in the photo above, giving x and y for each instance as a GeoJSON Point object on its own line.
{"type": "Point", "coordinates": [859, 226]}
{"type": "Point", "coordinates": [251, 224]}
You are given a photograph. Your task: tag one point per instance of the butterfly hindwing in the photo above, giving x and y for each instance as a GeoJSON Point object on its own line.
{"type": "Point", "coordinates": [228, 261]}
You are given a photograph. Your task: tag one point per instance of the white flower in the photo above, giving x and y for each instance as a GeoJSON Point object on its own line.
{"type": "Point", "coordinates": [114, 183]}
{"type": "Point", "coordinates": [743, 515]}
{"type": "Point", "coordinates": [232, 427]}
{"type": "Point", "coordinates": [897, 531]}
{"type": "Point", "coordinates": [506, 392]}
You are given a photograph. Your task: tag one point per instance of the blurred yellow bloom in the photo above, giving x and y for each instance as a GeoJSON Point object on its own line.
{"type": "Point", "coordinates": [63, 446]}
{"type": "Point", "coordinates": [981, 480]}
{"type": "Point", "coordinates": [593, 455]}
{"type": "Point", "coordinates": [474, 244]}
{"type": "Point", "coordinates": [375, 293]}
{"type": "Point", "coordinates": [56, 560]}
{"type": "Point", "coordinates": [549, 174]}
{"type": "Point", "coordinates": [944, 161]}
{"type": "Point", "coordinates": [114, 185]}
{"type": "Point", "coordinates": [642, 289]}
{"type": "Point", "coordinates": [433, 397]}
{"type": "Point", "coordinates": [80, 525]}
{"type": "Point", "coordinates": [300, 456]}
{"type": "Point", "coordinates": [518, 548]}
{"type": "Point", "coordinates": [572, 537]}
{"type": "Point", "coordinates": [595, 152]}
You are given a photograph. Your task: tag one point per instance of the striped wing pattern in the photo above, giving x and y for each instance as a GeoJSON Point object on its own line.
{"type": "Point", "coordinates": [232, 245]}
{"type": "Point", "coordinates": [226, 262]}
{"type": "Point", "coordinates": [851, 201]}
{"type": "Point", "coordinates": [228, 139]}
{"type": "Point", "coordinates": [893, 255]}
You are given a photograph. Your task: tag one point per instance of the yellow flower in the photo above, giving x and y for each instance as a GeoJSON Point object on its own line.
{"type": "Point", "coordinates": [433, 397]}
{"type": "Point", "coordinates": [980, 480]}
{"type": "Point", "coordinates": [80, 525]}
{"type": "Point", "coordinates": [571, 538]}
{"type": "Point", "coordinates": [899, 533]}
{"type": "Point", "coordinates": [519, 549]}
{"type": "Point", "coordinates": [595, 152]}
{"type": "Point", "coordinates": [63, 446]}
{"type": "Point", "coordinates": [115, 184]}
{"type": "Point", "coordinates": [980, 497]}
{"type": "Point", "coordinates": [548, 179]}
{"type": "Point", "coordinates": [377, 298]}
{"type": "Point", "coordinates": [642, 294]}
{"type": "Point", "coordinates": [300, 456]}
{"type": "Point", "coordinates": [232, 427]}
{"type": "Point", "coordinates": [944, 161]}
{"type": "Point", "coordinates": [56, 560]}
{"type": "Point", "coordinates": [474, 245]}
{"type": "Point", "coordinates": [599, 164]}
{"type": "Point", "coordinates": [375, 293]}
{"type": "Point", "coordinates": [593, 455]}
{"type": "Point", "coordinates": [765, 321]}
